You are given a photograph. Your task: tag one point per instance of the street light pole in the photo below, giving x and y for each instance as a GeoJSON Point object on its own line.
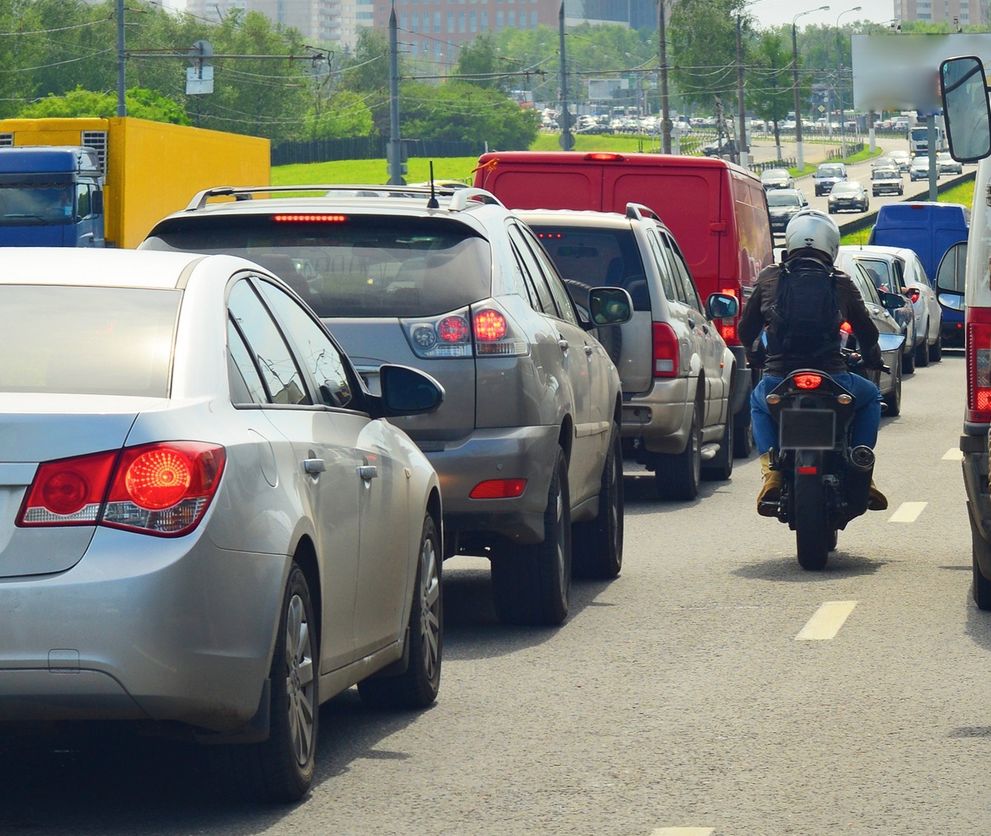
{"type": "Point", "coordinates": [839, 43]}
{"type": "Point", "coordinates": [794, 75]}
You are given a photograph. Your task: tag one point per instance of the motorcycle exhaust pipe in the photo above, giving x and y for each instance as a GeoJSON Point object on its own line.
{"type": "Point", "coordinates": [858, 478]}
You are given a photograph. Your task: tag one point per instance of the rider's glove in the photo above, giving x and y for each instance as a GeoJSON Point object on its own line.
{"type": "Point", "coordinates": [872, 357]}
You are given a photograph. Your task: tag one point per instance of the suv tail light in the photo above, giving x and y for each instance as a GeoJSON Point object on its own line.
{"type": "Point", "coordinates": [482, 330]}
{"type": "Point", "coordinates": [162, 488]}
{"type": "Point", "coordinates": [666, 356]}
{"type": "Point", "coordinates": [978, 343]}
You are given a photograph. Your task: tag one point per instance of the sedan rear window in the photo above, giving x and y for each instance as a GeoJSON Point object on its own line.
{"type": "Point", "coordinates": [782, 198]}
{"type": "Point", "coordinates": [350, 266]}
{"type": "Point", "coordinates": [87, 340]}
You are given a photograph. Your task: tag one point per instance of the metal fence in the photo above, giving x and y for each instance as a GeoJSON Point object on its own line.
{"type": "Point", "coordinates": [367, 148]}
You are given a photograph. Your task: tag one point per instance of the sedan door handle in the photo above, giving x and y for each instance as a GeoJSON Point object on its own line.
{"type": "Point", "coordinates": [314, 466]}
{"type": "Point", "coordinates": [562, 344]}
{"type": "Point", "coordinates": [368, 472]}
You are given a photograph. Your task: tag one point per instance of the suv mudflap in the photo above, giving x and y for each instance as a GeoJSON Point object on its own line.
{"type": "Point", "coordinates": [975, 476]}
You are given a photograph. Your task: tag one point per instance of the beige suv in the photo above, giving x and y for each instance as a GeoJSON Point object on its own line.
{"type": "Point", "coordinates": [676, 371]}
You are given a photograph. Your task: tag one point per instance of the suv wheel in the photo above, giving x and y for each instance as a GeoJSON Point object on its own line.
{"type": "Point", "coordinates": [677, 476]}
{"type": "Point", "coordinates": [922, 353]}
{"type": "Point", "coordinates": [599, 544]}
{"type": "Point", "coordinates": [720, 468]}
{"type": "Point", "coordinates": [981, 588]}
{"type": "Point", "coordinates": [936, 349]}
{"type": "Point", "coordinates": [533, 585]}
{"type": "Point", "coordinates": [743, 435]}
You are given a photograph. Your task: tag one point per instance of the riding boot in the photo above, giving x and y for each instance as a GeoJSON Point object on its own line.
{"type": "Point", "coordinates": [770, 490]}
{"type": "Point", "coordinates": [876, 501]}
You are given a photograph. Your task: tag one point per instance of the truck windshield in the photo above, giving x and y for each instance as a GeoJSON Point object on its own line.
{"type": "Point", "coordinates": [33, 204]}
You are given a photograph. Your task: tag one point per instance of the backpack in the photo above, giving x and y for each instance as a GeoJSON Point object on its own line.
{"type": "Point", "coordinates": [805, 316]}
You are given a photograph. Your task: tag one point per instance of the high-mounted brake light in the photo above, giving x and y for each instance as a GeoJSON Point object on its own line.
{"type": "Point", "coordinates": [808, 381]}
{"type": "Point", "coordinates": [604, 157]}
{"type": "Point", "coordinates": [162, 488]}
{"type": "Point", "coordinates": [309, 219]}
{"type": "Point", "coordinates": [551, 235]}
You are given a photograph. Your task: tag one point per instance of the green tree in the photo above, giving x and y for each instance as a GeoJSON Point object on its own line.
{"type": "Point", "coordinates": [466, 112]}
{"type": "Point", "coordinates": [144, 104]}
{"type": "Point", "coordinates": [367, 73]}
{"type": "Point", "coordinates": [770, 85]}
{"type": "Point", "coordinates": [344, 114]}
{"type": "Point", "coordinates": [480, 61]}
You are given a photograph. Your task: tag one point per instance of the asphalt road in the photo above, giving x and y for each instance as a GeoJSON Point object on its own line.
{"type": "Point", "coordinates": [681, 695]}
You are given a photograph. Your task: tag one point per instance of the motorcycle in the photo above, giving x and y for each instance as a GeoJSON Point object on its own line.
{"type": "Point", "coordinates": [826, 482]}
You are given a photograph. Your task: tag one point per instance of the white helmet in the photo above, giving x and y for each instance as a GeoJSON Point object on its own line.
{"type": "Point", "coordinates": [815, 230]}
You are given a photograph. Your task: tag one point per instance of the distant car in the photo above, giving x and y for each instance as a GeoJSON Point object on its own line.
{"type": "Point", "coordinates": [887, 181]}
{"type": "Point", "coordinates": [776, 178]}
{"type": "Point", "coordinates": [783, 205]}
{"type": "Point", "coordinates": [676, 370]}
{"type": "Point", "coordinates": [720, 149]}
{"type": "Point", "coordinates": [883, 162]}
{"type": "Point", "coordinates": [827, 175]}
{"type": "Point", "coordinates": [948, 165]}
{"type": "Point", "coordinates": [849, 195]}
{"type": "Point", "coordinates": [880, 270]}
{"type": "Point", "coordinates": [206, 508]}
{"type": "Point", "coordinates": [919, 168]}
{"type": "Point", "coordinates": [902, 159]}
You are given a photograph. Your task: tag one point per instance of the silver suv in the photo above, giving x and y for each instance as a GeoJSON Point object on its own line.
{"type": "Point", "coordinates": [676, 371]}
{"type": "Point", "coordinates": [527, 441]}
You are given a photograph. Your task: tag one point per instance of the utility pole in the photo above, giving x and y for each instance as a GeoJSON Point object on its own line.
{"type": "Point", "coordinates": [567, 140]}
{"type": "Point", "coordinates": [121, 105]}
{"type": "Point", "coordinates": [395, 152]}
{"type": "Point", "coordinates": [662, 39]}
{"type": "Point", "coordinates": [744, 148]}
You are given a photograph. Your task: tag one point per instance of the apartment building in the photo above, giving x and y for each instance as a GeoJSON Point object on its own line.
{"type": "Point", "coordinates": [959, 12]}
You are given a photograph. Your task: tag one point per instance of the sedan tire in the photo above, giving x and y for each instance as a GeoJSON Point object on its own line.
{"type": "Point", "coordinates": [936, 349]}
{"type": "Point", "coordinates": [909, 357]}
{"type": "Point", "coordinates": [417, 685]}
{"type": "Point", "coordinates": [281, 768]}
{"type": "Point", "coordinates": [894, 398]}
{"type": "Point", "coordinates": [534, 585]}
{"type": "Point", "coordinates": [922, 355]}
{"type": "Point", "coordinates": [599, 543]}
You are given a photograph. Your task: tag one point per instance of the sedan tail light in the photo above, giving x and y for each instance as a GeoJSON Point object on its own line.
{"type": "Point", "coordinates": [162, 488]}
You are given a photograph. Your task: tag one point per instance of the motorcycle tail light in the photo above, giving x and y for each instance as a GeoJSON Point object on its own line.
{"type": "Point", "coordinates": [808, 381]}
{"type": "Point", "coordinates": [846, 327]}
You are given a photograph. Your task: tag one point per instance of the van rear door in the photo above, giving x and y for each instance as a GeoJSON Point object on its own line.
{"type": "Point", "coordinates": [520, 185]}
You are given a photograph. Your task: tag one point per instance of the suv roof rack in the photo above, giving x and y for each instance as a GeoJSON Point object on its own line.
{"type": "Point", "coordinates": [637, 212]}
{"type": "Point", "coordinates": [461, 198]}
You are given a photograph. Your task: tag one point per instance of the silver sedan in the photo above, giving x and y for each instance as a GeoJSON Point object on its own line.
{"type": "Point", "coordinates": [205, 519]}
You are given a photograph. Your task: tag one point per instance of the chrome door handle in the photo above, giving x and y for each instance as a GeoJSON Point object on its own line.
{"type": "Point", "coordinates": [368, 472]}
{"type": "Point", "coordinates": [314, 466]}
{"type": "Point", "coordinates": [562, 344]}
{"type": "Point", "coordinates": [588, 350]}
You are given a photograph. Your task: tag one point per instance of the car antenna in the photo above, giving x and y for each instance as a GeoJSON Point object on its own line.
{"type": "Point", "coordinates": [432, 203]}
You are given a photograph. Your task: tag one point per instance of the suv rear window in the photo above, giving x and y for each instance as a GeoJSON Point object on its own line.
{"type": "Point", "coordinates": [352, 266]}
{"type": "Point", "coordinates": [597, 257]}
{"type": "Point", "coordinates": [87, 340]}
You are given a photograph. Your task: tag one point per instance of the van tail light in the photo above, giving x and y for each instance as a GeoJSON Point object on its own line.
{"type": "Point", "coordinates": [978, 343]}
{"type": "Point", "coordinates": [163, 488]}
{"type": "Point", "coordinates": [484, 329]}
{"type": "Point", "coordinates": [666, 356]}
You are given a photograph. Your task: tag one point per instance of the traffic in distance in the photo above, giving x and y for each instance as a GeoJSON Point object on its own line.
{"type": "Point", "coordinates": [239, 469]}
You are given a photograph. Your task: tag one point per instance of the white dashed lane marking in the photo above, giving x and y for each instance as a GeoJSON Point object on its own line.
{"type": "Point", "coordinates": [954, 454]}
{"type": "Point", "coordinates": [827, 621]}
{"type": "Point", "coordinates": [908, 512]}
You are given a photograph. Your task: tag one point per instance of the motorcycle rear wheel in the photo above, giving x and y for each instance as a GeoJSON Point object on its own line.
{"type": "Point", "coordinates": [813, 534]}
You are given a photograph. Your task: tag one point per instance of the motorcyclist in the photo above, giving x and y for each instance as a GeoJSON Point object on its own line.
{"type": "Point", "coordinates": [810, 234]}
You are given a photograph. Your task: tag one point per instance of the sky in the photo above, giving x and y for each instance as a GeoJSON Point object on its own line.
{"type": "Point", "coordinates": [776, 12]}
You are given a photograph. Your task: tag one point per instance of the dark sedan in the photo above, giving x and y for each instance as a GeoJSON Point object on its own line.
{"type": "Point", "coordinates": [782, 206]}
{"type": "Point", "coordinates": [848, 195]}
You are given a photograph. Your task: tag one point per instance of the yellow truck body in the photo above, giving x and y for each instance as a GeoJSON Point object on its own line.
{"type": "Point", "coordinates": [152, 168]}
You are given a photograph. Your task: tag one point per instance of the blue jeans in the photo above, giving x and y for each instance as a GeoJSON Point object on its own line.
{"type": "Point", "coordinates": [866, 411]}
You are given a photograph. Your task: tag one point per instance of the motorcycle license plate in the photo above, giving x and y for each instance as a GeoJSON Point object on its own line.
{"type": "Point", "coordinates": [807, 429]}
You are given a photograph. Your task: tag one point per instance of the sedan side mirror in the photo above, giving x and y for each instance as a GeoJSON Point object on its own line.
{"type": "Point", "coordinates": [891, 301]}
{"type": "Point", "coordinates": [722, 306]}
{"type": "Point", "coordinates": [406, 391]}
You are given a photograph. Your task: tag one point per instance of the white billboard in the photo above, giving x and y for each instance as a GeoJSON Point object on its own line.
{"type": "Point", "coordinates": [901, 72]}
{"type": "Point", "coordinates": [605, 89]}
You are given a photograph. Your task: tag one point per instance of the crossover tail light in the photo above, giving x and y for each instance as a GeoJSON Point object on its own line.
{"type": "Point", "coordinates": [667, 361]}
{"type": "Point", "coordinates": [163, 488]}
{"type": "Point", "coordinates": [482, 330]}
{"type": "Point", "coordinates": [498, 489]}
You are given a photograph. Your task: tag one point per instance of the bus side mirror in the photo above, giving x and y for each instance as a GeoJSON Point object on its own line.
{"type": "Point", "coordinates": [965, 108]}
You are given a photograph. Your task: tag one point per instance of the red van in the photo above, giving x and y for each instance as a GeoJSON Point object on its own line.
{"type": "Point", "coordinates": [716, 210]}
